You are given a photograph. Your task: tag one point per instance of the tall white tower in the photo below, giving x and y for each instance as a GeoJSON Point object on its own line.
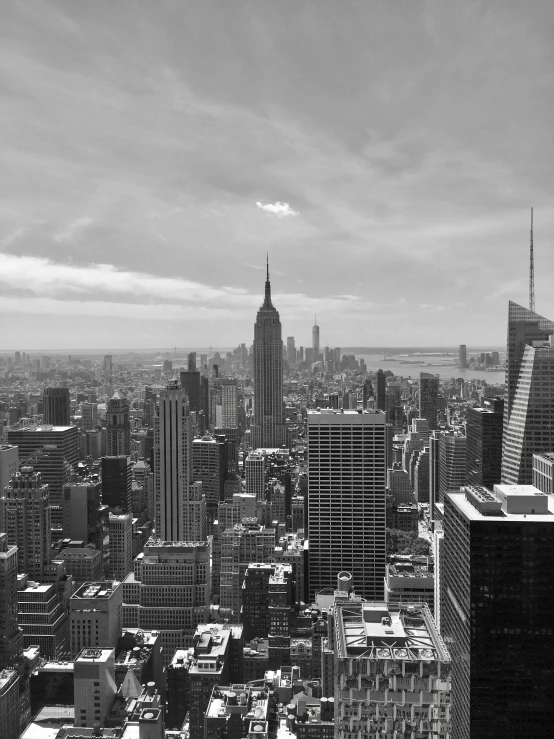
{"type": "Point", "coordinates": [346, 499]}
{"type": "Point", "coordinates": [173, 435]}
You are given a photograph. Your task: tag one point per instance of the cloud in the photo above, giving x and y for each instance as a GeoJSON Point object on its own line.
{"type": "Point", "coordinates": [13, 236]}
{"type": "Point", "coordinates": [281, 210]}
{"type": "Point", "coordinates": [72, 229]}
{"type": "Point", "coordinates": [136, 294]}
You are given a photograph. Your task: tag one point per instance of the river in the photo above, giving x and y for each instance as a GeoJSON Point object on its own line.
{"type": "Point", "coordinates": [375, 362]}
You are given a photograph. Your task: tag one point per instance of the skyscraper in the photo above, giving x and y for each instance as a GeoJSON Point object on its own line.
{"type": "Point", "coordinates": [56, 406]}
{"type": "Point", "coordinates": [25, 517]}
{"type": "Point", "coordinates": [347, 499]}
{"type": "Point", "coordinates": [291, 350]}
{"type": "Point", "coordinates": [529, 410]}
{"type": "Point", "coordinates": [315, 340]}
{"type": "Point", "coordinates": [117, 483]}
{"type": "Point", "coordinates": [229, 403]}
{"type": "Point", "coordinates": [497, 599]}
{"type": "Point", "coordinates": [484, 442]}
{"type": "Point", "coordinates": [452, 462]}
{"type": "Point", "coordinates": [54, 452]}
{"type": "Point", "coordinates": [428, 397]}
{"type": "Point", "coordinates": [462, 357]}
{"type": "Point", "coordinates": [118, 426]}
{"type": "Point", "coordinates": [380, 390]}
{"type": "Point", "coordinates": [10, 636]}
{"type": "Point", "coordinates": [173, 437]}
{"type": "Point", "coordinates": [269, 429]}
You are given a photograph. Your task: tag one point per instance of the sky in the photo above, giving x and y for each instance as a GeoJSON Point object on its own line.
{"type": "Point", "coordinates": [385, 154]}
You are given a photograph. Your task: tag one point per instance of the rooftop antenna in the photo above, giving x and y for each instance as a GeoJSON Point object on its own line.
{"type": "Point", "coordinates": [531, 269]}
{"type": "Point", "coordinates": [267, 265]}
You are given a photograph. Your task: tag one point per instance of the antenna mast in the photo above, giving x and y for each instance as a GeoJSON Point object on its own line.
{"type": "Point", "coordinates": [531, 269]}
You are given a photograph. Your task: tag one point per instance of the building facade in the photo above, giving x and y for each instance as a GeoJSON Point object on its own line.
{"type": "Point", "coordinates": [269, 428]}
{"type": "Point", "coordinates": [428, 398]}
{"type": "Point", "coordinates": [497, 597]}
{"type": "Point", "coordinates": [529, 408]}
{"type": "Point", "coordinates": [484, 442]}
{"type": "Point", "coordinates": [25, 517]}
{"type": "Point", "coordinates": [118, 426]}
{"type": "Point", "coordinates": [346, 499]}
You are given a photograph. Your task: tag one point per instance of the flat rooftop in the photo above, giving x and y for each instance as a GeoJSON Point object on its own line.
{"type": "Point", "coordinates": [94, 654]}
{"type": "Point", "coordinates": [508, 503]}
{"type": "Point", "coordinates": [381, 631]}
{"type": "Point", "coordinates": [314, 413]}
{"type": "Point", "coordinates": [97, 590]}
{"type": "Point", "coordinates": [42, 428]}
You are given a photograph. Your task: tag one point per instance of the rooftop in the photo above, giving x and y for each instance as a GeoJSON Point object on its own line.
{"type": "Point", "coordinates": [381, 631]}
{"type": "Point", "coordinates": [508, 503]}
{"type": "Point", "coordinates": [101, 590]}
{"type": "Point", "coordinates": [250, 703]}
{"type": "Point", "coordinates": [42, 428]}
{"type": "Point", "coordinates": [94, 655]}
{"type": "Point", "coordinates": [549, 456]}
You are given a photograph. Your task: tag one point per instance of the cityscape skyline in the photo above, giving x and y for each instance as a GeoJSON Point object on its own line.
{"type": "Point", "coordinates": [147, 231]}
{"type": "Point", "coordinates": [331, 515]}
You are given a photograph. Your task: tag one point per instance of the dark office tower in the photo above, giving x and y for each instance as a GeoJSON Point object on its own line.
{"type": "Point", "coordinates": [428, 398]}
{"type": "Point", "coordinates": [462, 357]}
{"type": "Point", "coordinates": [269, 430]}
{"type": "Point", "coordinates": [191, 362]}
{"type": "Point", "coordinates": [54, 452]}
{"type": "Point", "coordinates": [190, 382]}
{"type": "Point", "coordinates": [315, 340]}
{"type": "Point", "coordinates": [347, 499]}
{"type": "Point", "coordinates": [10, 636]}
{"type": "Point", "coordinates": [118, 426]}
{"type": "Point", "coordinates": [484, 442]}
{"type": "Point", "coordinates": [529, 410]}
{"type": "Point", "coordinates": [56, 406]}
{"type": "Point", "coordinates": [380, 390]}
{"type": "Point", "coordinates": [25, 517]}
{"type": "Point", "coordinates": [117, 483]}
{"type": "Point", "coordinates": [85, 516]}
{"type": "Point", "coordinates": [497, 600]}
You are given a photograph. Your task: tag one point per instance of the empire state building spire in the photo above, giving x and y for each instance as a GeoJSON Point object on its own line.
{"type": "Point", "coordinates": [267, 299]}
{"type": "Point", "coordinates": [268, 429]}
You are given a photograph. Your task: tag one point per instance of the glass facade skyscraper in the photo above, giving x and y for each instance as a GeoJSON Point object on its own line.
{"type": "Point", "coordinates": [497, 599]}
{"type": "Point", "coordinates": [529, 408]}
{"type": "Point", "coordinates": [484, 442]}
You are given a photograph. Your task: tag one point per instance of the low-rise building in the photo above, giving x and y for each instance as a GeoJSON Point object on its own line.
{"type": "Point", "coordinates": [410, 579]}
{"type": "Point", "coordinates": [237, 711]}
{"type": "Point", "coordinates": [193, 672]}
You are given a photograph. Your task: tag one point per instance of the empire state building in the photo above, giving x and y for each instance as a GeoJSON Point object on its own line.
{"type": "Point", "coordinates": [268, 430]}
